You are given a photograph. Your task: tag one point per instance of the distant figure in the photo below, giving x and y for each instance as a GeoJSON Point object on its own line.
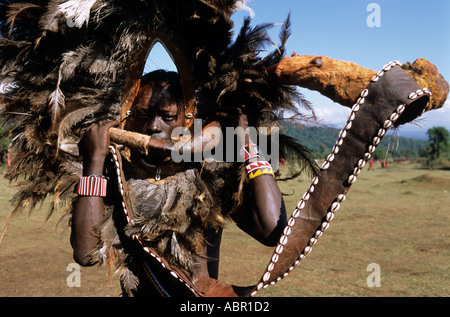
{"type": "Point", "coordinates": [371, 165]}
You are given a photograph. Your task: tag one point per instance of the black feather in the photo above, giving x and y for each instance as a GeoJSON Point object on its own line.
{"type": "Point", "coordinates": [61, 77]}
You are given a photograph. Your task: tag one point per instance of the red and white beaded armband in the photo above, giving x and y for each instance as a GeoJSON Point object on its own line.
{"type": "Point", "coordinates": [259, 168]}
{"type": "Point", "coordinates": [92, 185]}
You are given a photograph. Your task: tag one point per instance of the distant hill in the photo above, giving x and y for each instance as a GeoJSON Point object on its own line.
{"type": "Point", "coordinates": [321, 140]}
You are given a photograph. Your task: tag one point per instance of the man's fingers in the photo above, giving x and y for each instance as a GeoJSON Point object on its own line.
{"type": "Point", "coordinates": [104, 124]}
{"type": "Point", "coordinates": [110, 124]}
{"type": "Point", "coordinates": [101, 126]}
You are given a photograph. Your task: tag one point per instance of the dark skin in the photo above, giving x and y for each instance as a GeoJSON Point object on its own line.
{"type": "Point", "coordinates": [263, 218]}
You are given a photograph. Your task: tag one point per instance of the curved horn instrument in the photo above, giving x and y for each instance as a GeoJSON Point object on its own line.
{"type": "Point", "coordinates": [392, 98]}
{"type": "Point", "coordinates": [342, 81]}
{"type": "Point", "coordinates": [144, 143]}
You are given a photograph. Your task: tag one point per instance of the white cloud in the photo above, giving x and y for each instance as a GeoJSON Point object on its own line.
{"type": "Point", "coordinates": [328, 112]}
{"type": "Point", "coordinates": [334, 115]}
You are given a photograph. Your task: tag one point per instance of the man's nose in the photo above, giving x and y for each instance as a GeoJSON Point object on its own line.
{"type": "Point", "coordinates": [154, 126]}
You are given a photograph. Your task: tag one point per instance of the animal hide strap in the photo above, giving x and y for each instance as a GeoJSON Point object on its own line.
{"type": "Point", "coordinates": [392, 98]}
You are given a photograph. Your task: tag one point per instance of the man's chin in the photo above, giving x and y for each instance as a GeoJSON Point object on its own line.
{"type": "Point", "coordinates": [155, 160]}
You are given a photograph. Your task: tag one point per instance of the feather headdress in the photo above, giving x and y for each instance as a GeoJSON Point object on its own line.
{"type": "Point", "coordinates": [65, 64]}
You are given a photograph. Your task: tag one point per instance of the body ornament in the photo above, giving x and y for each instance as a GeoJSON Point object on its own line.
{"type": "Point", "coordinates": [92, 185]}
{"type": "Point", "coordinates": [250, 151]}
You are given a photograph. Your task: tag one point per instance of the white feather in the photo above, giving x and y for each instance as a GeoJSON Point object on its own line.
{"type": "Point", "coordinates": [56, 101]}
{"type": "Point", "coordinates": [7, 87]}
{"type": "Point", "coordinates": [77, 12]}
{"type": "Point", "coordinates": [242, 5]}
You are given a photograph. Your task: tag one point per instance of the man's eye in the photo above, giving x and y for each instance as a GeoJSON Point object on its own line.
{"type": "Point", "coordinates": [142, 113]}
{"type": "Point", "coordinates": [168, 118]}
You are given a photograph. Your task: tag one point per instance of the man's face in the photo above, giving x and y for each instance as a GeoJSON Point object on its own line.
{"type": "Point", "coordinates": [156, 118]}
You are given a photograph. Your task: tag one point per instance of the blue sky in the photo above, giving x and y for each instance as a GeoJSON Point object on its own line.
{"type": "Point", "coordinates": [407, 30]}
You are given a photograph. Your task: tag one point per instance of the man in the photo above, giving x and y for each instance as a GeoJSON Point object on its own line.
{"type": "Point", "coordinates": [183, 223]}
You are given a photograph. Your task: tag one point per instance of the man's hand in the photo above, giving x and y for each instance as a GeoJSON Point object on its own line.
{"type": "Point", "coordinates": [96, 141]}
{"type": "Point", "coordinates": [96, 138]}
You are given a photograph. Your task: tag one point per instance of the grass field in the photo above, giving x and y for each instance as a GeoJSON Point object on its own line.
{"type": "Point", "coordinates": [397, 218]}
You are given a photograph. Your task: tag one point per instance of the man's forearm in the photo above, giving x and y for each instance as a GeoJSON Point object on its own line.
{"type": "Point", "coordinates": [87, 213]}
{"type": "Point", "coordinates": [267, 208]}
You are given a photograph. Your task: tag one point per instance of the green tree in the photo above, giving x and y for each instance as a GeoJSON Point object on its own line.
{"type": "Point", "coordinates": [379, 154]}
{"type": "Point", "coordinates": [323, 151]}
{"type": "Point", "coordinates": [439, 138]}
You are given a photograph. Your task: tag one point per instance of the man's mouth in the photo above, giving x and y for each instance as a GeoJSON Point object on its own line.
{"type": "Point", "coordinates": [156, 135]}
{"type": "Point", "coordinates": [155, 160]}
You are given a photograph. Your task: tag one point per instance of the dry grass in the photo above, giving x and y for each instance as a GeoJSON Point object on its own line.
{"type": "Point", "coordinates": [396, 217]}
{"type": "Point", "coordinates": [34, 256]}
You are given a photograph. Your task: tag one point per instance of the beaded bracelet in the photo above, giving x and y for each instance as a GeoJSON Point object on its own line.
{"type": "Point", "coordinates": [259, 168]}
{"type": "Point", "coordinates": [257, 165]}
{"type": "Point", "coordinates": [92, 185]}
{"type": "Point", "coordinates": [249, 151]}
